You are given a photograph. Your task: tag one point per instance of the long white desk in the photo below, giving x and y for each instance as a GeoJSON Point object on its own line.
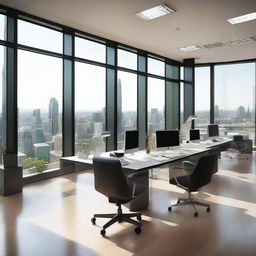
{"type": "Point", "coordinates": [142, 162]}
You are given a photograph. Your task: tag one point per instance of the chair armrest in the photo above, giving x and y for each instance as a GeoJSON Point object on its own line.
{"type": "Point", "coordinates": [189, 166]}
{"type": "Point", "coordinates": [136, 175]}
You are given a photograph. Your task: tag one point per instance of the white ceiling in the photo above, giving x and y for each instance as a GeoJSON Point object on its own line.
{"type": "Point", "coordinates": [195, 22]}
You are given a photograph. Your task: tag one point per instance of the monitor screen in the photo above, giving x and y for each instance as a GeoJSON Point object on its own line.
{"type": "Point", "coordinates": [194, 134]}
{"type": "Point", "coordinates": [213, 130]}
{"type": "Point", "coordinates": [168, 138]}
{"type": "Point", "coordinates": [131, 140]}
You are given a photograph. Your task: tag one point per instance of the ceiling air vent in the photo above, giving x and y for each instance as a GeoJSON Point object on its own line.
{"type": "Point", "coordinates": [244, 40]}
{"type": "Point", "coordinates": [253, 38]}
{"type": "Point", "coordinates": [214, 45]}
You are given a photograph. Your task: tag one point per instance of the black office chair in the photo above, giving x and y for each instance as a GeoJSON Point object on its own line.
{"type": "Point", "coordinates": [199, 177]}
{"type": "Point", "coordinates": [111, 182]}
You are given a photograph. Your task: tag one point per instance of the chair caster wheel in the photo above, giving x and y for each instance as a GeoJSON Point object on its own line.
{"type": "Point", "coordinates": [103, 232]}
{"type": "Point", "coordinates": [93, 220]}
{"type": "Point", "coordinates": [137, 230]}
{"type": "Point", "coordinates": [208, 209]}
{"type": "Point", "coordinates": [170, 209]}
{"type": "Point", "coordinates": [139, 218]}
{"type": "Point", "coordinates": [196, 214]}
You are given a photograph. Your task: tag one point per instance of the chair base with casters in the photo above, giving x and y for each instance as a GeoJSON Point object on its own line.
{"type": "Point", "coordinates": [190, 201]}
{"type": "Point", "coordinates": [119, 217]}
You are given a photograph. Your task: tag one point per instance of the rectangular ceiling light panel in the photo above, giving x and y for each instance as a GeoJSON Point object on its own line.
{"type": "Point", "coordinates": [243, 18]}
{"type": "Point", "coordinates": [155, 12]}
{"type": "Point", "coordinates": [190, 48]}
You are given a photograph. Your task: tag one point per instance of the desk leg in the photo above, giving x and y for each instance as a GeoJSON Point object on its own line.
{"type": "Point", "coordinates": [141, 202]}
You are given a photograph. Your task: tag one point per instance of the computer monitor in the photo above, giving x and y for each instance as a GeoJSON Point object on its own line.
{"type": "Point", "coordinates": [213, 131]}
{"type": "Point", "coordinates": [194, 135]}
{"type": "Point", "coordinates": [131, 141]}
{"type": "Point", "coordinates": [166, 139]}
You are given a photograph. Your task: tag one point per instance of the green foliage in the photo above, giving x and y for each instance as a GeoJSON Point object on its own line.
{"type": "Point", "coordinates": [2, 150]}
{"type": "Point", "coordinates": [35, 162]}
{"type": "Point", "coordinates": [84, 147]}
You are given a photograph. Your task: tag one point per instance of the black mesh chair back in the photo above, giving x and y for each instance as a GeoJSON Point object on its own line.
{"type": "Point", "coordinates": [202, 174]}
{"type": "Point", "coordinates": [238, 138]}
{"type": "Point", "coordinates": [110, 179]}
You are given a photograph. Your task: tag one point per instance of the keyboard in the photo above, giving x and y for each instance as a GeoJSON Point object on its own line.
{"type": "Point", "coordinates": [124, 162]}
{"type": "Point", "coordinates": [172, 155]}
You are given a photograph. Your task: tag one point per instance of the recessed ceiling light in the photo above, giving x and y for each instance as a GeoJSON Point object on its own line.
{"type": "Point", "coordinates": [190, 48]}
{"type": "Point", "coordinates": [243, 18]}
{"type": "Point", "coordinates": [155, 12]}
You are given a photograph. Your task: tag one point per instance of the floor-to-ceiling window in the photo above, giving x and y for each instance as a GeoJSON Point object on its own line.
{"type": "Point", "coordinates": [2, 86]}
{"type": "Point", "coordinates": [235, 98]}
{"type": "Point", "coordinates": [39, 99]}
{"type": "Point", "coordinates": [202, 97]}
{"type": "Point", "coordinates": [2, 101]}
{"type": "Point", "coordinates": [181, 96]}
{"type": "Point", "coordinates": [126, 105]}
{"type": "Point", "coordinates": [90, 98]}
{"type": "Point", "coordinates": [156, 105]}
{"type": "Point", "coordinates": [90, 108]}
{"type": "Point", "coordinates": [2, 27]}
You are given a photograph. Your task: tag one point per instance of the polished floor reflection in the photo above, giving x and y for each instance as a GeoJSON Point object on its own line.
{"type": "Point", "coordinates": [53, 218]}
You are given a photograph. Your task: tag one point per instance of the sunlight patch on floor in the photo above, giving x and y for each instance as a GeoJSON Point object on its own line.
{"type": "Point", "coordinates": [245, 177]}
{"type": "Point", "coordinates": [250, 208]}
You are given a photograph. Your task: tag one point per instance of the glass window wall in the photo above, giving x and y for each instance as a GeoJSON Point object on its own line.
{"type": "Point", "coordinates": [235, 98]}
{"type": "Point", "coordinates": [156, 67]}
{"type": "Point", "coordinates": [2, 102]}
{"type": "Point", "coordinates": [90, 50]}
{"type": "Point", "coordinates": [156, 105]}
{"type": "Point", "coordinates": [90, 109]}
{"type": "Point", "coordinates": [39, 37]}
{"type": "Point", "coordinates": [126, 105]}
{"type": "Point", "coordinates": [202, 97]}
{"type": "Point", "coordinates": [39, 112]}
{"type": "Point", "coordinates": [2, 27]}
{"type": "Point", "coordinates": [127, 59]}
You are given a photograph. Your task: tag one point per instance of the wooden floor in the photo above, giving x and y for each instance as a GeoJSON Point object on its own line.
{"type": "Point", "coordinates": [53, 218]}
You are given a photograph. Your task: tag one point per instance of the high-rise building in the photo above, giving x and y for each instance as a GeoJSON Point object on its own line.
{"type": "Point", "coordinates": [240, 112]}
{"type": "Point", "coordinates": [98, 129]}
{"type": "Point", "coordinates": [41, 151]}
{"type": "Point", "coordinates": [39, 135]}
{"type": "Point", "coordinates": [96, 117]}
{"type": "Point", "coordinates": [36, 119]}
{"type": "Point", "coordinates": [57, 140]}
{"type": "Point", "coordinates": [25, 141]}
{"type": "Point", "coordinates": [54, 116]}
{"type": "Point", "coordinates": [154, 116]}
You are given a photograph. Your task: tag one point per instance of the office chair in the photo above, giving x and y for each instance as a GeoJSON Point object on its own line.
{"type": "Point", "coordinates": [238, 144]}
{"type": "Point", "coordinates": [199, 177]}
{"type": "Point", "coordinates": [111, 182]}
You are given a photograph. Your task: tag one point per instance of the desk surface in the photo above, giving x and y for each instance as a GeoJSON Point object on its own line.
{"type": "Point", "coordinates": [141, 160]}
